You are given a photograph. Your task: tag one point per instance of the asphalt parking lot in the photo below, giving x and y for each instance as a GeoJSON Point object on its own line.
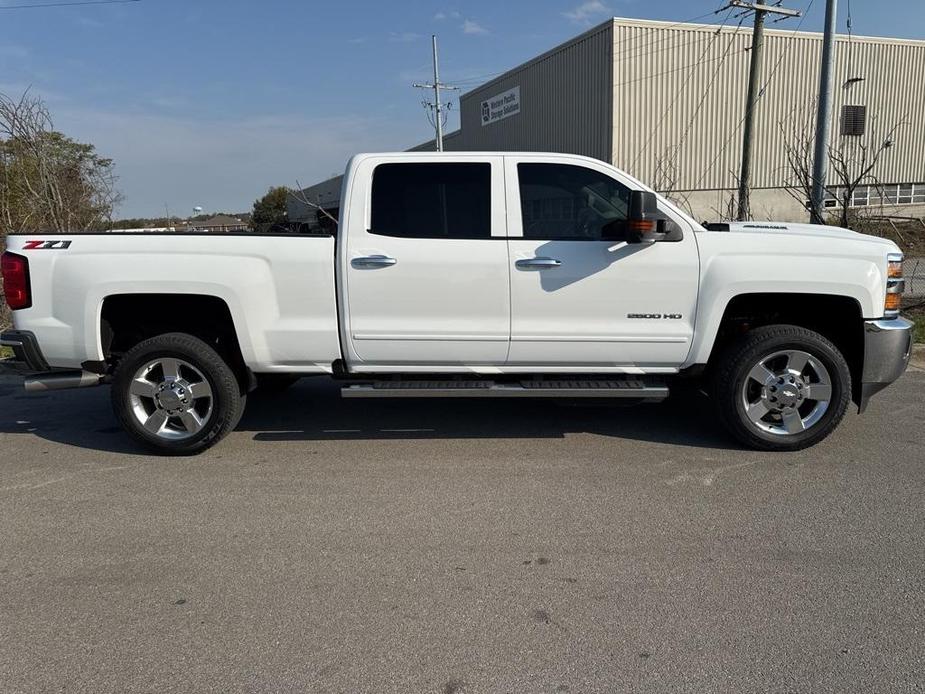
{"type": "Point", "coordinates": [454, 546]}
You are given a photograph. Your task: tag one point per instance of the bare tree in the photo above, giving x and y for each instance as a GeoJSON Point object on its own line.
{"type": "Point", "coordinates": [798, 148]}
{"type": "Point", "coordinates": [666, 179]}
{"type": "Point", "coordinates": [47, 180]}
{"type": "Point", "coordinates": [852, 163]}
{"type": "Point", "coordinates": [299, 196]}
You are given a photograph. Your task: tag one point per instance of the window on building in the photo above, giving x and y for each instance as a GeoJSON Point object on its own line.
{"type": "Point", "coordinates": [860, 197]}
{"type": "Point", "coordinates": [432, 201]}
{"type": "Point", "coordinates": [891, 194]}
{"type": "Point", "coordinates": [853, 120]}
{"type": "Point", "coordinates": [918, 193]}
{"type": "Point", "coordinates": [560, 201]}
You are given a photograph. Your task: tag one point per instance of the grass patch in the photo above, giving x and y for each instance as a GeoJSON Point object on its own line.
{"type": "Point", "coordinates": [919, 331]}
{"type": "Point", "coordinates": [917, 315]}
{"type": "Point", "coordinates": [5, 352]}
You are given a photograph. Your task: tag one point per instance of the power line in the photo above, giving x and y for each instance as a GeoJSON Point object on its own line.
{"type": "Point", "coordinates": [633, 48]}
{"type": "Point", "coordinates": [438, 109]}
{"type": "Point", "coordinates": [67, 4]}
{"type": "Point", "coordinates": [692, 41]}
{"type": "Point", "coordinates": [668, 72]}
{"type": "Point", "coordinates": [709, 87]}
{"type": "Point", "coordinates": [761, 94]}
{"type": "Point", "coordinates": [743, 207]}
{"type": "Point", "coordinates": [684, 84]}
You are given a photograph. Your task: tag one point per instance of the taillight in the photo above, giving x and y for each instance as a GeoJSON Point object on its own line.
{"type": "Point", "coordinates": [16, 289]}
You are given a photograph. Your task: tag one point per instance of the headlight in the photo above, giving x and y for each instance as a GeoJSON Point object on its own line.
{"type": "Point", "coordinates": [894, 267]}
{"type": "Point", "coordinates": [895, 285]}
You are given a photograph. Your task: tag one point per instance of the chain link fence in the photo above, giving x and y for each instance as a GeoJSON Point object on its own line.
{"type": "Point", "coordinates": [914, 272]}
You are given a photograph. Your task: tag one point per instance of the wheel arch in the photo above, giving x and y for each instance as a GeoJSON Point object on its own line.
{"type": "Point", "coordinates": [839, 318]}
{"type": "Point", "coordinates": [127, 319]}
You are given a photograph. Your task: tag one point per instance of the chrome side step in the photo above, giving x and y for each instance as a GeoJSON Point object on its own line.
{"type": "Point", "coordinates": [565, 388]}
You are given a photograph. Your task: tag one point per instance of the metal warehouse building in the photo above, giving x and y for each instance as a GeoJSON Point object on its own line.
{"type": "Point", "coordinates": [666, 102]}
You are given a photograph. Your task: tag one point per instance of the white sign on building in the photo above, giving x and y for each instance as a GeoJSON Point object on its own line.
{"type": "Point", "coordinates": [501, 106]}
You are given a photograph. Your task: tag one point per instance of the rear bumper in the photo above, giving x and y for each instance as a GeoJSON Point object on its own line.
{"type": "Point", "coordinates": [887, 349]}
{"type": "Point", "coordinates": [29, 361]}
{"type": "Point", "coordinates": [27, 355]}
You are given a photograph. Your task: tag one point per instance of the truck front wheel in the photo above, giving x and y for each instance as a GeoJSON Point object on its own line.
{"type": "Point", "coordinates": [781, 388]}
{"type": "Point", "coordinates": [176, 395]}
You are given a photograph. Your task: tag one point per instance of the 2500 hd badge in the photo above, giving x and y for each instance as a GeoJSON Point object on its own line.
{"type": "Point", "coordinates": [655, 316]}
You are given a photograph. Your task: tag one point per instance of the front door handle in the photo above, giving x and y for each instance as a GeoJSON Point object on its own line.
{"type": "Point", "coordinates": [368, 262]}
{"type": "Point", "coordinates": [538, 263]}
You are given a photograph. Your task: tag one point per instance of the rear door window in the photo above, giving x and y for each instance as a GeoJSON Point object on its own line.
{"type": "Point", "coordinates": [432, 201]}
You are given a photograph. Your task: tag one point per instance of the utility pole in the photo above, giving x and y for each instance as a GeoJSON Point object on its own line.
{"type": "Point", "coordinates": [743, 211]}
{"type": "Point", "coordinates": [823, 114]}
{"type": "Point", "coordinates": [436, 106]}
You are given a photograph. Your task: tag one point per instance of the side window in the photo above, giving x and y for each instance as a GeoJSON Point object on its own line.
{"type": "Point", "coordinates": [432, 201]}
{"type": "Point", "coordinates": [561, 201]}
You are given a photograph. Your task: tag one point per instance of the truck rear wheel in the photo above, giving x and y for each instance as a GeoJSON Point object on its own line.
{"type": "Point", "coordinates": [176, 395]}
{"type": "Point", "coordinates": [781, 388]}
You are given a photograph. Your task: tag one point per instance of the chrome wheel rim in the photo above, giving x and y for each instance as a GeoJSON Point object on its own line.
{"type": "Point", "coordinates": [170, 398]}
{"type": "Point", "coordinates": [786, 392]}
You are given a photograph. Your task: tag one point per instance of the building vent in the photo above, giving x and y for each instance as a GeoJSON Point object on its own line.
{"type": "Point", "coordinates": [853, 120]}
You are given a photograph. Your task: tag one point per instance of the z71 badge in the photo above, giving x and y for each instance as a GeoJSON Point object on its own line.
{"type": "Point", "coordinates": [46, 245]}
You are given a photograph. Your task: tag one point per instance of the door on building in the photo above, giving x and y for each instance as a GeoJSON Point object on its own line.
{"type": "Point", "coordinates": [426, 275]}
{"type": "Point", "coordinates": [578, 300]}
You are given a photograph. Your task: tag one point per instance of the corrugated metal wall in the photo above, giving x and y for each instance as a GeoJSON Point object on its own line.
{"type": "Point", "coordinates": [565, 100]}
{"type": "Point", "coordinates": [679, 99]}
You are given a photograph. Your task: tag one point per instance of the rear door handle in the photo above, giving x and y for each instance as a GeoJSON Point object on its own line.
{"type": "Point", "coordinates": [368, 262]}
{"type": "Point", "coordinates": [538, 263]}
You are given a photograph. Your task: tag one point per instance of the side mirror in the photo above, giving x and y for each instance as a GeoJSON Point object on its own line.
{"type": "Point", "coordinates": [644, 222]}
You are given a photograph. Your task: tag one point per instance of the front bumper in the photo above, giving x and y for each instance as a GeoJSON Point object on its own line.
{"type": "Point", "coordinates": [27, 355]}
{"type": "Point", "coordinates": [887, 349]}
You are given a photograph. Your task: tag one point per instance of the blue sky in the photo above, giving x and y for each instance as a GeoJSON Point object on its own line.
{"type": "Point", "coordinates": [209, 102]}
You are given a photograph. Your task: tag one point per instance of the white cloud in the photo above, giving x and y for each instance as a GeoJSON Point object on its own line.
{"type": "Point", "coordinates": [90, 23]}
{"type": "Point", "coordinates": [588, 11]}
{"type": "Point", "coordinates": [403, 37]}
{"type": "Point", "coordinates": [470, 26]}
{"type": "Point", "coordinates": [449, 14]}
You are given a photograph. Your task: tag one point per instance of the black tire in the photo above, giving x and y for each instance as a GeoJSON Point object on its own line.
{"type": "Point", "coordinates": [226, 398]}
{"type": "Point", "coordinates": [270, 384]}
{"type": "Point", "coordinates": [731, 378]}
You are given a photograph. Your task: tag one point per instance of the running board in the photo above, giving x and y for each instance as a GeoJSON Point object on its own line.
{"type": "Point", "coordinates": [566, 388]}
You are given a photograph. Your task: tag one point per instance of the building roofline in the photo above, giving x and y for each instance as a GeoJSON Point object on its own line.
{"type": "Point", "coordinates": [603, 26]}
{"type": "Point", "coordinates": [630, 21]}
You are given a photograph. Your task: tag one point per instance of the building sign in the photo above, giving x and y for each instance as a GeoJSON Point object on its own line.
{"type": "Point", "coordinates": [501, 106]}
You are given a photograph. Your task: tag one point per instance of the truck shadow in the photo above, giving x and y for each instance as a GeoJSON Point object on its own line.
{"type": "Point", "coordinates": [313, 410]}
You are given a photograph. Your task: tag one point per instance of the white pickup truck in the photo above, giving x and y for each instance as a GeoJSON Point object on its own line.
{"type": "Point", "coordinates": [468, 275]}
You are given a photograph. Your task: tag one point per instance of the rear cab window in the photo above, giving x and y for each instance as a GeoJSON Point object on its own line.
{"type": "Point", "coordinates": [432, 200]}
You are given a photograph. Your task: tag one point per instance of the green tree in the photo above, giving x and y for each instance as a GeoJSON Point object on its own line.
{"type": "Point", "coordinates": [270, 210]}
{"type": "Point", "coordinates": [49, 182]}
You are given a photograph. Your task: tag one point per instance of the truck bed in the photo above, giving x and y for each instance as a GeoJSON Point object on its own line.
{"type": "Point", "coordinates": [279, 290]}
